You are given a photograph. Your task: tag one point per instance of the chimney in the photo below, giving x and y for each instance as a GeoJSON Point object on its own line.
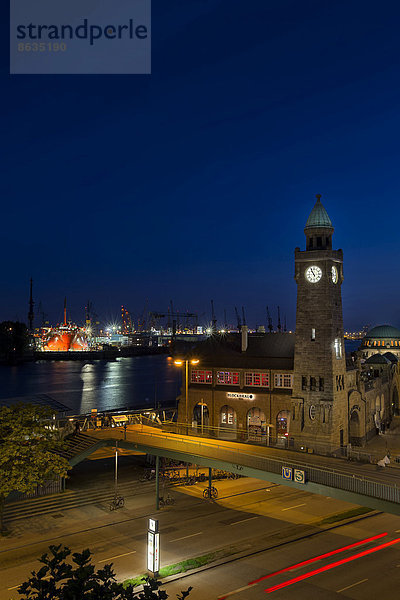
{"type": "Point", "coordinates": [245, 338]}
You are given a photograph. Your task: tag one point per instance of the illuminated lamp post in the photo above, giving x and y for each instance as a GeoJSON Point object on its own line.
{"type": "Point", "coordinates": [179, 362]}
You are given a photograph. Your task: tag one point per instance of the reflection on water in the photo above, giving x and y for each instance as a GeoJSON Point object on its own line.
{"type": "Point", "coordinates": [134, 382]}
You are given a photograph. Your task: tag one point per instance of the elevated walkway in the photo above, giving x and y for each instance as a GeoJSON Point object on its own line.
{"type": "Point", "coordinates": [349, 481]}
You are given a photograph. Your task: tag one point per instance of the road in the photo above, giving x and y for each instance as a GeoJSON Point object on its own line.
{"type": "Point", "coordinates": [368, 577]}
{"type": "Point", "coordinates": [246, 510]}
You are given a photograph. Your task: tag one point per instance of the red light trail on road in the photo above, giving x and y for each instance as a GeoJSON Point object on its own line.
{"type": "Point", "coordinates": [279, 586]}
{"type": "Point", "coordinates": [320, 557]}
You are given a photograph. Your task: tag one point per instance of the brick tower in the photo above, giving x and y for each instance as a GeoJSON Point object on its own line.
{"type": "Point", "coordinates": [319, 403]}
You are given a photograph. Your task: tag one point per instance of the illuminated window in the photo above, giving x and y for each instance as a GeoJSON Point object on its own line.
{"type": "Point", "coordinates": [313, 333]}
{"type": "Point", "coordinates": [338, 348]}
{"type": "Point", "coordinates": [256, 379]}
{"type": "Point", "coordinates": [200, 376]}
{"type": "Point", "coordinates": [284, 380]}
{"type": "Point", "coordinates": [227, 378]}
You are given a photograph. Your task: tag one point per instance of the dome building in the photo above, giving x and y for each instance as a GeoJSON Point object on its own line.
{"type": "Point", "coordinates": [380, 340]}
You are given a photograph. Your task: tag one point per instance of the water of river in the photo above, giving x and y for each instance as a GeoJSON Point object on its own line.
{"type": "Point", "coordinates": [135, 382]}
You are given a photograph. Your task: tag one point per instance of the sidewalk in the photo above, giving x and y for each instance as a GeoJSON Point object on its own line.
{"type": "Point", "coordinates": [385, 443]}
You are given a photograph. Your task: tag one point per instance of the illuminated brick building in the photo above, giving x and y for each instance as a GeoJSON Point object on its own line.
{"type": "Point", "coordinates": [297, 390]}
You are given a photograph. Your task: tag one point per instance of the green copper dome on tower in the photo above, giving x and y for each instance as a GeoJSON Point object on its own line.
{"type": "Point", "coordinates": [318, 216]}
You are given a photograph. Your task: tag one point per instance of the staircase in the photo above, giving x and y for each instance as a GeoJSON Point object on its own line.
{"type": "Point", "coordinates": [77, 444]}
{"type": "Point", "coordinates": [49, 505]}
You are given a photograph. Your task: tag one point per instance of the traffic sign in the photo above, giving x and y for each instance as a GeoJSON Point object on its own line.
{"type": "Point", "coordinates": [299, 476]}
{"type": "Point", "coordinates": [287, 473]}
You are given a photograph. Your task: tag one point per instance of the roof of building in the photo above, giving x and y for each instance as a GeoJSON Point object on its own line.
{"type": "Point", "coordinates": [264, 351]}
{"type": "Point", "coordinates": [383, 332]}
{"type": "Point", "coordinates": [392, 357]}
{"type": "Point", "coordinates": [378, 359]}
{"type": "Point", "coordinates": [318, 216]}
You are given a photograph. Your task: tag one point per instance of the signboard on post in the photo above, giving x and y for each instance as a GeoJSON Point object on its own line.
{"type": "Point", "coordinates": [153, 548]}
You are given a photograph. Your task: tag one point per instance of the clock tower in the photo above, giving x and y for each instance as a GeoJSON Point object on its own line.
{"type": "Point", "coordinates": [319, 400]}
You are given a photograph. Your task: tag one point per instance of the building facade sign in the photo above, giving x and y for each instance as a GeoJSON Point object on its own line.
{"type": "Point", "coordinates": [239, 396]}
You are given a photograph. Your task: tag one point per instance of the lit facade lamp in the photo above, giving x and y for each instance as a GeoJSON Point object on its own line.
{"type": "Point", "coordinates": [179, 363]}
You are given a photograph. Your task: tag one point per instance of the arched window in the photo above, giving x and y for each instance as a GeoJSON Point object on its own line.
{"type": "Point", "coordinates": [282, 423]}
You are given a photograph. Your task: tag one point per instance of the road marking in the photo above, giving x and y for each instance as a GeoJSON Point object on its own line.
{"type": "Point", "coordinates": [186, 536]}
{"type": "Point", "coordinates": [243, 520]}
{"type": "Point", "coordinates": [245, 587]}
{"type": "Point", "coordinates": [352, 585]}
{"type": "Point", "coordinates": [19, 585]}
{"type": "Point", "coordinates": [118, 556]}
{"type": "Point", "coordinates": [290, 507]}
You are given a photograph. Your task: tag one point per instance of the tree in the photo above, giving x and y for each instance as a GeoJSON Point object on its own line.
{"type": "Point", "coordinates": [28, 450]}
{"type": "Point", "coordinates": [60, 580]}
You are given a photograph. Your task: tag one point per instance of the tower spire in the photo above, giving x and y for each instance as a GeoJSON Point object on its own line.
{"type": "Point", "coordinates": [319, 228]}
{"type": "Point", "coordinates": [65, 310]}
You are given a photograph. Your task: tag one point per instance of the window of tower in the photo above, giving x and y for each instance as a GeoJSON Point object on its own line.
{"type": "Point", "coordinates": [321, 384]}
{"type": "Point", "coordinates": [313, 386]}
{"type": "Point", "coordinates": [338, 348]}
{"type": "Point", "coordinates": [319, 242]}
{"type": "Point", "coordinates": [304, 383]}
{"type": "Point", "coordinates": [313, 333]}
{"type": "Point", "coordinates": [310, 243]}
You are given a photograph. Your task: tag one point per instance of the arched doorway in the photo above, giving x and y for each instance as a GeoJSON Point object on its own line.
{"type": "Point", "coordinates": [256, 425]}
{"type": "Point", "coordinates": [355, 432]}
{"type": "Point", "coordinates": [201, 416]}
{"type": "Point", "coordinates": [395, 402]}
{"type": "Point", "coordinates": [227, 422]}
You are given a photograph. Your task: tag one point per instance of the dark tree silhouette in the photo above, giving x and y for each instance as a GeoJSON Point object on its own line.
{"type": "Point", "coordinates": [58, 579]}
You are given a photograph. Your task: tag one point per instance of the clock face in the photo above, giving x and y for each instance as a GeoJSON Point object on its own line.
{"type": "Point", "coordinates": [313, 274]}
{"type": "Point", "coordinates": [334, 274]}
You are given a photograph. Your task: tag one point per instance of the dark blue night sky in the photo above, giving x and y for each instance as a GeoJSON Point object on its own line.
{"type": "Point", "coordinates": [196, 182]}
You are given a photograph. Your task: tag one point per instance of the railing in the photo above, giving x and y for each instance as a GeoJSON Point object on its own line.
{"type": "Point", "coordinates": [53, 486]}
{"type": "Point", "coordinates": [239, 458]}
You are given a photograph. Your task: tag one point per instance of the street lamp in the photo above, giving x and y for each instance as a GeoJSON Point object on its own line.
{"type": "Point", "coordinates": [179, 362]}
